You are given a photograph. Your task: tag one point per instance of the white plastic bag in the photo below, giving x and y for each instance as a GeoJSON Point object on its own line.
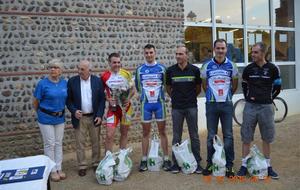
{"type": "Point", "coordinates": [155, 160]}
{"type": "Point", "coordinates": [218, 158]}
{"type": "Point", "coordinates": [185, 157]}
{"type": "Point", "coordinates": [124, 165]}
{"type": "Point", "coordinates": [257, 163]}
{"type": "Point", "coordinates": [105, 170]}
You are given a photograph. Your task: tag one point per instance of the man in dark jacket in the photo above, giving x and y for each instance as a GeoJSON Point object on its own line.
{"type": "Point", "coordinates": [86, 102]}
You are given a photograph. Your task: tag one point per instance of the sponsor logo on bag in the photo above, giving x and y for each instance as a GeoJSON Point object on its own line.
{"type": "Point", "coordinates": [102, 177]}
{"type": "Point", "coordinates": [186, 166]}
{"type": "Point", "coordinates": [215, 167]}
{"type": "Point", "coordinates": [255, 172]}
{"type": "Point", "coordinates": [151, 162]}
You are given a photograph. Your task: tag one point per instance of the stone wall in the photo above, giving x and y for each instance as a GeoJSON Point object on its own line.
{"type": "Point", "coordinates": [35, 31]}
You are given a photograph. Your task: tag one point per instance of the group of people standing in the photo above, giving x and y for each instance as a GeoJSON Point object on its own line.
{"type": "Point", "coordinates": [85, 96]}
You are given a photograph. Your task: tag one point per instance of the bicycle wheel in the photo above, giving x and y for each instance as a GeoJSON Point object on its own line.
{"type": "Point", "coordinates": [238, 109]}
{"type": "Point", "coordinates": [280, 109]}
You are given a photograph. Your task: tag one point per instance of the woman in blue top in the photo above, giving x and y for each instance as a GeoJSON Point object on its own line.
{"type": "Point", "coordinates": [49, 103]}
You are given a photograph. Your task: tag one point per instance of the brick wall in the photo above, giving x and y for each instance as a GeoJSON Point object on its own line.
{"type": "Point", "coordinates": [35, 31]}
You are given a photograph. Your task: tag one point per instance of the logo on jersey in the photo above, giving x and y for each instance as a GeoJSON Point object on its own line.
{"type": "Point", "coordinates": [219, 81]}
{"type": "Point", "coordinates": [151, 76]}
{"type": "Point", "coordinates": [219, 72]}
{"type": "Point", "coordinates": [151, 83]}
{"type": "Point", "coordinates": [266, 71]}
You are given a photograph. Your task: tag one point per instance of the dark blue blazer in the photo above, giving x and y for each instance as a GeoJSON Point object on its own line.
{"type": "Point", "coordinates": [74, 97]}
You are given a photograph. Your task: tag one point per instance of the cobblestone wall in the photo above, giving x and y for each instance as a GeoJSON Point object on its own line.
{"type": "Point", "coordinates": [35, 31]}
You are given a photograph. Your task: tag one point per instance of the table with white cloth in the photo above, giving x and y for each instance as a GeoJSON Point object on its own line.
{"type": "Point", "coordinates": [27, 162]}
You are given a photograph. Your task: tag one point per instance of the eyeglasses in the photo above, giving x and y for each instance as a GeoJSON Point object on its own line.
{"type": "Point", "coordinates": [54, 67]}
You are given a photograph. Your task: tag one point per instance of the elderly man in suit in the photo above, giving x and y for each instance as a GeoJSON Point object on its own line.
{"type": "Point", "coordinates": [86, 102]}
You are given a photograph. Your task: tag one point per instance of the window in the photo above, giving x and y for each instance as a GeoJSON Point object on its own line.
{"type": "Point", "coordinates": [199, 42]}
{"type": "Point", "coordinates": [224, 13]}
{"type": "Point", "coordinates": [235, 47]}
{"type": "Point", "coordinates": [268, 21]}
{"type": "Point", "coordinates": [254, 36]}
{"type": "Point", "coordinates": [258, 12]}
{"type": "Point", "coordinates": [287, 73]}
{"type": "Point", "coordinates": [197, 11]}
{"type": "Point", "coordinates": [284, 46]}
{"type": "Point", "coordinates": [284, 13]}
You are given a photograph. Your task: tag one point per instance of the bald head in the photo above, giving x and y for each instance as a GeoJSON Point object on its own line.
{"type": "Point", "coordinates": [84, 68]}
{"type": "Point", "coordinates": [86, 63]}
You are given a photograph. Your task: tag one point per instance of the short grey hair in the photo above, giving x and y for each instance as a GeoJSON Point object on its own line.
{"type": "Point", "coordinates": [86, 61]}
{"type": "Point", "coordinates": [56, 63]}
{"type": "Point", "coordinates": [262, 46]}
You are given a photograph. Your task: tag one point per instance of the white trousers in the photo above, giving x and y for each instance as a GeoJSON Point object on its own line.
{"type": "Point", "coordinates": [52, 138]}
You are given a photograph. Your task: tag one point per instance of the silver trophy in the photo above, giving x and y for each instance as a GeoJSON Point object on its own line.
{"type": "Point", "coordinates": [119, 94]}
{"type": "Point", "coordinates": [114, 97]}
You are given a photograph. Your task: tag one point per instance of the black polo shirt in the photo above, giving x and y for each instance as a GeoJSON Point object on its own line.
{"type": "Point", "coordinates": [183, 84]}
{"type": "Point", "coordinates": [260, 82]}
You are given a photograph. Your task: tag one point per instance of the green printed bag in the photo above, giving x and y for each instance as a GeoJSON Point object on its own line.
{"type": "Point", "coordinates": [257, 163]}
{"type": "Point", "coordinates": [218, 158]}
{"type": "Point", "coordinates": [155, 160]}
{"type": "Point", "coordinates": [124, 165]}
{"type": "Point", "coordinates": [105, 170]}
{"type": "Point", "coordinates": [184, 156]}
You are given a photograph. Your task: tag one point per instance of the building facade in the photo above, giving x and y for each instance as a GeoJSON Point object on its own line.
{"type": "Point", "coordinates": [243, 23]}
{"type": "Point", "coordinates": [35, 31]}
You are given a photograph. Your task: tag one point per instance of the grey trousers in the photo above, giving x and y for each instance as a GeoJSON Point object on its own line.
{"type": "Point", "coordinates": [191, 116]}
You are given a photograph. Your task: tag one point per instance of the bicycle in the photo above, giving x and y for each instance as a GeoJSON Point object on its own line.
{"type": "Point", "coordinates": [280, 108]}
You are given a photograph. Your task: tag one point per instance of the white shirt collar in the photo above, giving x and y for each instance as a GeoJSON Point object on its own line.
{"type": "Point", "coordinates": [87, 80]}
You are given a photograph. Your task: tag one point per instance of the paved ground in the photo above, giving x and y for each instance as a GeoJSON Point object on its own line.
{"type": "Point", "coordinates": [285, 160]}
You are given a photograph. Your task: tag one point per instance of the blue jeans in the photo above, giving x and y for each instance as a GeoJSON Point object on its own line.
{"type": "Point", "coordinates": [214, 112]}
{"type": "Point", "coordinates": [191, 116]}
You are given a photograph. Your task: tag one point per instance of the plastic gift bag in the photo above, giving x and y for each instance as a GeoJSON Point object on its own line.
{"type": "Point", "coordinates": [105, 170]}
{"type": "Point", "coordinates": [155, 160]}
{"type": "Point", "coordinates": [218, 158]}
{"type": "Point", "coordinates": [257, 163]}
{"type": "Point", "coordinates": [184, 156]}
{"type": "Point", "coordinates": [123, 165]}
